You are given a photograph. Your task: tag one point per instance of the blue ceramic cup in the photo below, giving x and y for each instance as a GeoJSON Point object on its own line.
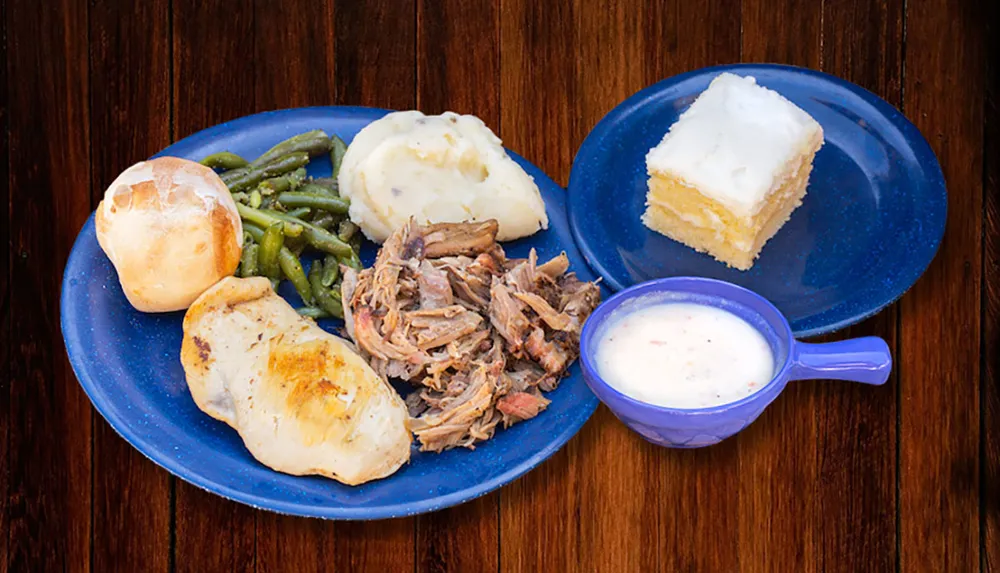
{"type": "Point", "coordinates": [865, 360]}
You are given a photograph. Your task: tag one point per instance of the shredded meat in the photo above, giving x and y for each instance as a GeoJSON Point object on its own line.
{"type": "Point", "coordinates": [479, 335]}
{"type": "Point", "coordinates": [449, 239]}
{"type": "Point", "coordinates": [435, 290]}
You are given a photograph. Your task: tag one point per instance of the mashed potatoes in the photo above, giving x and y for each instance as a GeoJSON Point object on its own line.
{"type": "Point", "coordinates": [438, 169]}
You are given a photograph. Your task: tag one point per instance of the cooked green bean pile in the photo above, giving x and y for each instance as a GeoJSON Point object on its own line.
{"type": "Point", "coordinates": [285, 212]}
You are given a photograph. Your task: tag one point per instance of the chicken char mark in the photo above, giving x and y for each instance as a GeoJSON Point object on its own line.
{"type": "Point", "coordinates": [479, 336]}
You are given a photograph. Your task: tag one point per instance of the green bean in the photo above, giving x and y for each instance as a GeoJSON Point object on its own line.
{"type": "Point", "coordinates": [324, 202]}
{"type": "Point", "coordinates": [355, 243]}
{"type": "Point", "coordinates": [317, 237]}
{"type": "Point", "coordinates": [270, 248]}
{"type": "Point", "coordinates": [296, 244]}
{"type": "Point", "coordinates": [312, 312]}
{"type": "Point", "coordinates": [292, 268]}
{"type": "Point", "coordinates": [346, 230]}
{"type": "Point", "coordinates": [242, 178]}
{"type": "Point", "coordinates": [224, 160]}
{"type": "Point", "coordinates": [265, 219]}
{"type": "Point", "coordinates": [299, 212]}
{"type": "Point", "coordinates": [251, 175]}
{"type": "Point", "coordinates": [255, 232]}
{"type": "Point", "coordinates": [314, 189]}
{"type": "Point", "coordinates": [314, 143]}
{"type": "Point", "coordinates": [241, 197]}
{"type": "Point", "coordinates": [322, 294]}
{"type": "Point", "coordinates": [275, 185]}
{"type": "Point", "coordinates": [248, 260]}
{"type": "Point", "coordinates": [337, 150]}
{"type": "Point", "coordinates": [351, 260]}
{"type": "Point", "coordinates": [325, 220]}
{"type": "Point", "coordinates": [328, 183]}
{"type": "Point", "coordinates": [255, 199]}
{"type": "Point", "coordinates": [297, 177]}
{"type": "Point", "coordinates": [331, 270]}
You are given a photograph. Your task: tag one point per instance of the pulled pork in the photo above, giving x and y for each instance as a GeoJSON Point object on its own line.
{"type": "Point", "coordinates": [479, 335]}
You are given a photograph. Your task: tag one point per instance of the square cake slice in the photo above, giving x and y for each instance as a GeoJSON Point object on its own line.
{"type": "Point", "coordinates": [731, 170]}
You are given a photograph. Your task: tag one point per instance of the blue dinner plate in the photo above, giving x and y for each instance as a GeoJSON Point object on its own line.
{"type": "Point", "coordinates": [871, 222]}
{"type": "Point", "coordinates": [129, 365]}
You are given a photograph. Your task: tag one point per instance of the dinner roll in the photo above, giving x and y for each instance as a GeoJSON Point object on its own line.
{"type": "Point", "coordinates": [171, 229]}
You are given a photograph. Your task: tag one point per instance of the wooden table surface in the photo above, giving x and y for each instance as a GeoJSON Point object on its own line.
{"type": "Point", "coordinates": [834, 477]}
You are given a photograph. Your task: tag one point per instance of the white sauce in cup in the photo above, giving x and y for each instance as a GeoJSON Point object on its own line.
{"type": "Point", "coordinates": [683, 355]}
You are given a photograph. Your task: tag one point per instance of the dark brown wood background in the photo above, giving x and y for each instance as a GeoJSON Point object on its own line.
{"type": "Point", "coordinates": [834, 477]}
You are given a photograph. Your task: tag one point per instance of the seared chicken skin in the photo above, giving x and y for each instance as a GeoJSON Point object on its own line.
{"type": "Point", "coordinates": [303, 400]}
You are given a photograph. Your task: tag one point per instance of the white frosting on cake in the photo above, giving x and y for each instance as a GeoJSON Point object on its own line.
{"type": "Point", "coordinates": [733, 141]}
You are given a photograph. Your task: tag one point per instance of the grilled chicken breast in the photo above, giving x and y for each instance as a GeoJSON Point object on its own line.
{"type": "Point", "coordinates": [303, 400]}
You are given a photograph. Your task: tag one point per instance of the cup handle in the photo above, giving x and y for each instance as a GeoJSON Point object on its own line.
{"type": "Point", "coordinates": [866, 360]}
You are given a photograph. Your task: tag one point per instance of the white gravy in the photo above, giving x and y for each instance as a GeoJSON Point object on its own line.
{"type": "Point", "coordinates": [683, 355]}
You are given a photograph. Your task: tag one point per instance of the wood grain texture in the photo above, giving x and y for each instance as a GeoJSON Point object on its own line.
{"type": "Point", "coordinates": [303, 33]}
{"type": "Point", "coordinates": [376, 43]}
{"type": "Point", "coordinates": [87, 88]}
{"type": "Point", "coordinates": [213, 63]}
{"type": "Point", "coordinates": [293, 54]}
{"type": "Point", "coordinates": [6, 340]}
{"type": "Point", "coordinates": [457, 59]}
{"type": "Point", "coordinates": [695, 491]}
{"type": "Point", "coordinates": [286, 543]}
{"type": "Point", "coordinates": [990, 376]}
{"type": "Point", "coordinates": [857, 424]}
{"type": "Point", "coordinates": [49, 509]}
{"type": "Point", "coordinates": [778, 459]}
{"type": "Point", "coordinates": [540, 524]}
{"type": "Point", "coordinates": [375, 66]}
{"type": "Point", "coordinates": [130, 120]}
{"type": "Point", "coordinates": [939, 355]}
{"type": "Point", "coordinates": [213, 81]}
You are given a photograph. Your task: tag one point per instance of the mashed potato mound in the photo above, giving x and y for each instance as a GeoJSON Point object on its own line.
{"type": "Point", "coordinates": [438, 169]}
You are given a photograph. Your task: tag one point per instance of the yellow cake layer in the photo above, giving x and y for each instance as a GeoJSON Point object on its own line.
{"type": "Point", "coordinates": [683, 213]}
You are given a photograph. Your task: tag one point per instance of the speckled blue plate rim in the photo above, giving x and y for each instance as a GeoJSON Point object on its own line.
{"type": "Point", "coordinates": [169, 463]}
{"type": "Point", "coordinates": [921, 149]}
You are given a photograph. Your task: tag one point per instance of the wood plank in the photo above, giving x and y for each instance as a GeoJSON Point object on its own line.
{"type": "Point", "coordinates": [697, 488]}
{"type": "Point", "coordinates": [130, 121]}
{"type": "Point", "coordinates": [458, 57]}
{"type": "Point", "coordinates": [990, 379]}
{"type": "Point", "coordinates": [294, 45]}
{"type": "Point", "coordinates": [540, 527]}
{"type": "Point", "coordinates": [294, 68]}
{"type": "Point", "coordinates": [857, 424]}
{"type": "Point", "coordinates": [939, 358]}
{"type": "Point", "coordinates": [462, 538]}
{"type": "Point", "coordinates": [779, 523]}
{"type": "Point", "coordinates": [538, 89]}
{"type": "Point", "coordinates": [287, 543]}
{"type": "Point", "coordinates": [213, 81]}
{"type": "Point", "coordinates": [375, 66]}
{"type": "Point", "coordinates": [50, 418]}
{"type": "Point", "coordinates": [618, 485]}
{"type": "Point", "coordinates": [213, 63]}
{"type": "Point", "coordinates": [376, 42]}
{"type": "Point", "coordinates": [6, 341]}
{"type": "Point", "coordinates": [634, 492]}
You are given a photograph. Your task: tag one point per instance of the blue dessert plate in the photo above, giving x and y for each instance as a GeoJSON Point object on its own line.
{"type": "Point", "coordinates": [870, 224]}
{"type": "Point", "coordinates": [128, 363]}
